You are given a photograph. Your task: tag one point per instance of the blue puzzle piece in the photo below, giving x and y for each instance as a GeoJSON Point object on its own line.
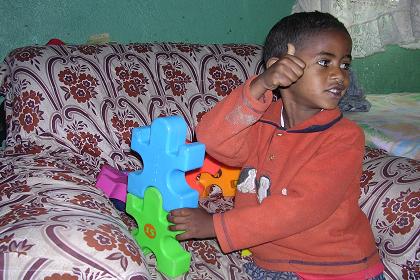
{"type": "Point", "coordinates": [166, 157]}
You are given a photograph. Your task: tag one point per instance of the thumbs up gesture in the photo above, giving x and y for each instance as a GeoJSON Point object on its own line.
{"type": "Point", "coordinates": [280, 72]}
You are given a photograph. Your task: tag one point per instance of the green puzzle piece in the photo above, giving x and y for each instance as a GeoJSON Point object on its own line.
{"type": "Point", "coordinates": [153, 234]}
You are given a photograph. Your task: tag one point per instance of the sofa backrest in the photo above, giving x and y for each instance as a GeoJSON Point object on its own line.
{"type": "Point", "coordinates": [87, 98]}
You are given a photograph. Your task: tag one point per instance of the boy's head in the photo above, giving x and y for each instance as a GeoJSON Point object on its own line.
{"type": "Point", "coordinates": [295, 29]}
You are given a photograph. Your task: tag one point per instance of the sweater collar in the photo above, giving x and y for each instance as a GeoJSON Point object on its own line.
{"type": "Point", "coordinates": [319, 122]}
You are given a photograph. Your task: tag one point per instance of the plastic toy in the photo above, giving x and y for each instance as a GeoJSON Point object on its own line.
{"type": "Point", "coordinates": [210, 166]}
{"type": "Point", "coordinates": [166, 158]}
{"type": "Point", "coordinates": [226, 181]}
{"type": "Point", "coordinates": [153, 234]}
{"type": "Point", "coordinates": [245, 253]}
{"type": "Point", "coordinates": [113, 182]}
{"type": "Point", "coordinates": [158, 188]}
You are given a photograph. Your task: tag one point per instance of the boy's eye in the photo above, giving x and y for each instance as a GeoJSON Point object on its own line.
{"type": "Point", "coordinates": [324, 62]}
{"type": "Point", "coordinates": [345, 66]}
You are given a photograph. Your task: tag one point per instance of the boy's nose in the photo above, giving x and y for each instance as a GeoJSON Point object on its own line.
{"type": "Point", "coordinates": [338, 75]}
{"type": "Point", "coordinates": [339, 81]}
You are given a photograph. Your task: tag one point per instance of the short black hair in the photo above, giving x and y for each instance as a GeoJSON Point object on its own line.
{"type": "Point", "coordinates": [295, 28]}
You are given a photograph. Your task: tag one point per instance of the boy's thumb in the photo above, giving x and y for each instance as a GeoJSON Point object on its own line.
{"type": "Point", "coordinates": [290, 49]}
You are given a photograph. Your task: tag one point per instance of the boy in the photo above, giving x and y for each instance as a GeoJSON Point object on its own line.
{"type": "Point", "coordinates": [296, 206]}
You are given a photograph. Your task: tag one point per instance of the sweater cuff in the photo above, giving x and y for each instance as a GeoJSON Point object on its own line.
{"type": "Point", "coordinates": [221, 234]}
{"type": "Point", "coordinates": [257, 105]}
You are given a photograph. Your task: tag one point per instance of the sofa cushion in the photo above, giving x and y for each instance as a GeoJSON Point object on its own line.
{"type": "Point", "coordinates": [88, 98]}
{"type": "Point", "coordinates": [390, 198]}
{"type": "Point", "coordinates": [54, 224]}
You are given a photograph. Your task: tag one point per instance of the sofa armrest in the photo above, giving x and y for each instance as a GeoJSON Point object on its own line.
{"type": "Point", "coordinates": [390, 191]}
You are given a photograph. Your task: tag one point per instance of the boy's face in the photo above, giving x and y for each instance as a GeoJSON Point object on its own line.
{"type": "Point", "coordinates": [327, 56]}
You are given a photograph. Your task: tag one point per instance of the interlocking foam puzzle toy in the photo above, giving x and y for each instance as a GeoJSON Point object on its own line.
{"type": "Point", "coordinates": [210, 166]}
{"type": "Point", "coordinates": [160, 187]}
{"type": "Point", "coordinates": [113, 182]}
{"type": "Point", "coordinates": [227, 180]}
{"type": "Point", "coordinates": [166, 158]}
{"type": "Point", "coordinates": [153, 234]}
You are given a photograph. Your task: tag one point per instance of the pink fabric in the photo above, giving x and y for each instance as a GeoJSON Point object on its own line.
{"type": "Point", "coordinates": [360, 275]}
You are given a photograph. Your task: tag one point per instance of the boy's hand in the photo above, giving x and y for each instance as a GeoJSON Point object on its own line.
{"type": "Point", "coordinates": [196, 222]}
{"type": "Point", "coordinates": [280, 72]}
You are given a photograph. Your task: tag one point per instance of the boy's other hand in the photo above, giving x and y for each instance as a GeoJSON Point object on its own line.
{"type": "Point", "coordinates": [280, 72]}
{"type": "Point", "coordinates": [196, 222]}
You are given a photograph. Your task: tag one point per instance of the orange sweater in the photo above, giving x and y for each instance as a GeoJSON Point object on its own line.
{"type": "Point", "coordinates": [296, 207]}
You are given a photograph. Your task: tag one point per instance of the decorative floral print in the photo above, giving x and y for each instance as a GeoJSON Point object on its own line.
{"type": "Point", "coordinates": [200, 115]}
{"type": "Point", "coordinates": [10, 245]}
{"type": "Point", "coordinates": [248, 52]}
{"type": "Point", "coordinates": [87, 201]}
{"type": "Point", "coordinates": [64, 276]}
{"type": "Point", "coordinates": [365, 180]}
{"type": "Point", "coordinates": [206, 252]}
{"type": "Point", "coordinates": [68, 77]}
{"type": "Point", "coordinates": [27, 54]}
{"type": "Point", "coordinates": [25, 147]}
{"type": "Point", "coordinates": [410, 270]}
{"type": "Point", "coordinates": [19, 212]}
{"type": "Point", "coordinates": [83, 165]}
{"type": "Point", "coordinates": [86, 142]}
{"type": "Point", "coordinates": [63, 176]}
{"type": "Point", "coordinates": [26, 110]}
{"type": "Point", "coordinates": [108, 237]}
{"type": "Point", "coordinates": [401, 212]}
{"type": "Point", "coordinates": [175, 79]}
{"type": "Point", "coordinates": [191, 49]}
{"type": "Point", "coordinates": [78, 84]}
{"type": "Point", "coordinates": [415, 164]}
{"type": "Point", "coordinates": [141, 48]}
{"type": "Point", "coordinates": [222, 80]}
{"type": "Point", "coordinates": [373, 153]}
{"type": "Point", "coordinates": [90, 49]}
{"type": "Point", "coordinates": [100, 240]}
{"type": "Point", "coordinates": [124, 122]}
{"type": "Point", "coordinates": [188, 48]}
{"type": "Point", "coordinates": [243, 50]}
{"type": "Point", "coordinates": [7, 190]}
{"type": "Point", "coordinates": [133, 82]}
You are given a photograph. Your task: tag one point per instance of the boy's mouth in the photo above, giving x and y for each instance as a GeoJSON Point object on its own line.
{"type": "Point", "coordinates": [336, 91]}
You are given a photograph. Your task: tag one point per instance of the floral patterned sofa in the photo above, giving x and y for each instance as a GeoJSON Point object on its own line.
{"type": "Point", "coordinates": [70, 110]}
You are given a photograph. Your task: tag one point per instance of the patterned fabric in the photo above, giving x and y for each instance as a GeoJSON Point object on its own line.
{"type": "Point", "coordinates": [373, 24]}
{"type": "Point", "coordinates": [258, 273]}
{"type": "Point", "coordinates": [88, 98]}
{"type": "Point", "coordinates": [390, 197]}
{"type": "Point", "coordinates": [70, 109]}
{"type": "Point", "coordinates": [392, 124]}
{"type": "Point", "coordinates": [56, 225]}
{"type": "Point", "coordinates": [3, 73]}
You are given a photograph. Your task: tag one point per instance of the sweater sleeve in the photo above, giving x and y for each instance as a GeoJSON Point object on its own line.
{"type": "Point", "coordinates": [329, 179]}
{"type": "Point", "coordinates": [224, 129]}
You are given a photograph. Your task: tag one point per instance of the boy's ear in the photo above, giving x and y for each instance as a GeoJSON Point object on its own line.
{"type": "Point", "coordinates": [271, 61]}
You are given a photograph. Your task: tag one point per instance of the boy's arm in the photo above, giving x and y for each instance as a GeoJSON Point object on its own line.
{"type": "Point", "coordinates": [224, 128]}
{"type": "Point", "coordinates": [312, 197]}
